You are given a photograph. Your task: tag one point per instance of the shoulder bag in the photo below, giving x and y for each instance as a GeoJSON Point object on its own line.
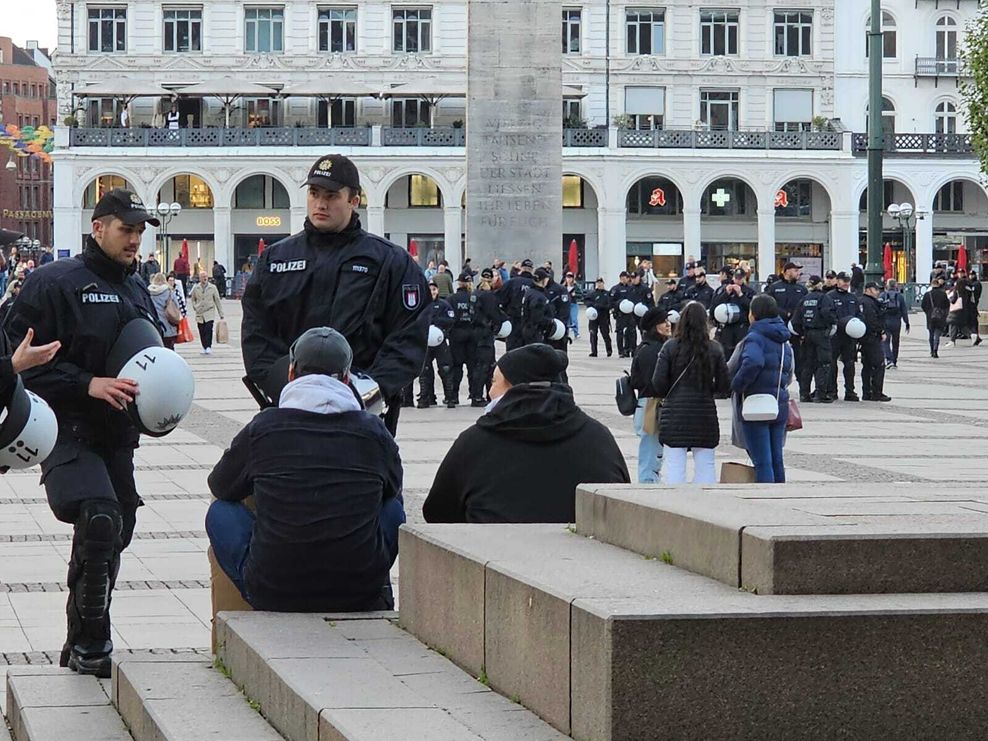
{"type": "Point", "coordinates": [764, 407]}
{"type": "Point", "coordinates": [172, 312]}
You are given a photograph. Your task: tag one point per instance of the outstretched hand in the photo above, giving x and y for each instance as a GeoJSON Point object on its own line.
{"type": "Point", "coordinates": [26, 356]}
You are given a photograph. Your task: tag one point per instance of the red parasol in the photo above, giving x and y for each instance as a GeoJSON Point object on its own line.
{"type": "Point", "coordinates": [962, 257]}
{"type": "Point", "coordinates": [185, 250]}
{"type": "Point", "coordinates": [260, 246]}
{"type": "Point", "coordinates": [573, 258]}
{"type": "Point", "coordinates": [887, 260]}
{"type": "Point", "coordinates": [413, 249]}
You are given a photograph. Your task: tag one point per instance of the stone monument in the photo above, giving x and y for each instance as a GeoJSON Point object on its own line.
{"type": "Point", "coordinates": [514, 131]}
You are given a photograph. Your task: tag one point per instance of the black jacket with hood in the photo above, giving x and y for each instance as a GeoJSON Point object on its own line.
{"type": "Point", "coordinates": [522, 461]}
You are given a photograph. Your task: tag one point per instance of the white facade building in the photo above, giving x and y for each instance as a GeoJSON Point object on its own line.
{"type": "Point", "coordinates": [721, 132]}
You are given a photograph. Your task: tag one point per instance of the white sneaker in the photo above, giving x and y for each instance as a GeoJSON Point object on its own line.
{"type": "Point", "coordinates": [948, 344]}
{"type": "Point", "coordinates": [209, 351]}
{"type": "Point", "coordinates": [203, 351]}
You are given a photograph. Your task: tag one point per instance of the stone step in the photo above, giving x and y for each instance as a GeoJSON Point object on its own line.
{"type": "Point", "coordinates": [46, 703]}
{"type": "Point", "coordinates": [182, 700]}
{"type": "Point", "coordinates": [776, 547]}
{"type": "Point", "coordinates": [605, 644]}
{"type": "Point", "coordinates": [361, 678]}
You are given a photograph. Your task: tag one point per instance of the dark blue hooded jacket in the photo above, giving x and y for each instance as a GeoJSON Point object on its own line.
{"type": "Point", "coordinates": [760, 359]}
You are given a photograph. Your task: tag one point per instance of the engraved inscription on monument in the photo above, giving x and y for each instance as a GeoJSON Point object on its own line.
{"type": "Point", "coordinates": [514, 131]}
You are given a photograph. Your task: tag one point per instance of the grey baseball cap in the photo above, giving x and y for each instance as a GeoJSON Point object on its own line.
{"type": "Point", "coordinates": [321, 350]}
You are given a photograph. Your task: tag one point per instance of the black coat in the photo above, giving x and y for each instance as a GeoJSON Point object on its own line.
{"type": "Point", "coordinates": [689, 413]}
{"type": "Point", "coordinates": [643, 364]}
{"type": "Point", "coordinates": [523, 461]}
{"type": "Point", "coordinates": [936, 306]}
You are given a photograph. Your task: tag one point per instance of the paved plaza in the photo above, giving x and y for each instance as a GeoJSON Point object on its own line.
{"type": "Point", "coordinates": [933, 431]}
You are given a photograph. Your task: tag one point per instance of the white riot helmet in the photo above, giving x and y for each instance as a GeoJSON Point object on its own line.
{"type": "Point", "coordinates": [436, 336]}
{"type": "Point", "coordinates": [592, 314]}
{"type": "Point", "coordinates": [854, 328]}
{"type": "Point", "coordinates": [673, 317]}
{"type": "Point", "coordinates": [727, 313]}
{"type": "Point", "coordinates": [367, 391]}
{"type": "Point", "coordinates": [505, 330]}
{"type": "Point", "coordinates": [558, 331]}
{"type": "Point", "coordinates": [640, 310]}
{"type": "Point", "coordinates": [626, 306]}
{"type": "Point", "coordinates": [164, 379]}
{"type": "Point", "coordinates": [28, 429]}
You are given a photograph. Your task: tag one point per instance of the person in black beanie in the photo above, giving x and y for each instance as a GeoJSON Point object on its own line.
{"type": "Point", "coordinates": [528, 453]}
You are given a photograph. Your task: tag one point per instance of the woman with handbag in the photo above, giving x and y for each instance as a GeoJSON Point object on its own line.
{"type": "Point", "coordinates": [690, 374]}
{"type": "Point", "coordinates": [936, 306]}
{"type": "Point", "coordinates": [169, 315]}
{"type": "Point", "coordinates": [762, 379]}
{"type": "Point", "coordinates": [206, 304]}
{"type": "Point", "coordinates": [655, 329]}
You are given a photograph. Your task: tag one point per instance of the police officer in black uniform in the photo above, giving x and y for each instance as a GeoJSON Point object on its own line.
{"type": "Point", "coordinates": [462, 338]}
{"type": "Point", "coordinates": [335, 274]}
{"type": "Point", "coordinates": [814, 320]}
{"type": "Point", "coordinates": [673, 298]}
{"type": "Point", "coordinates": [700, 291]}
{"type": "Point", "coordinates": [536, 313]}
{"type": "Point", "coordinates": [872, 352]}
{"type": "Point", "coordinates": [84, 302]}
{"type": "Point", "coordinates": [736, 292]}
{"type": "Point", "coordinates": [510, 295]}
{"type": "Point", "coordinates": [829, 281]}
{"type": "Point", "coordinates": [624, 323]}
{"type": "Point", "coordinates": [441, 317]}
{"type": "Point", "coordinates": [788, 293]}
{"type": "Point", "coordinates": [845, 349]}
{"type": "Point", "coordinates": [640, 294]}
{"type": "Point", "coordinates": [600, 301]}
{"type": "Point", "coordinates": [488, 321]}
{"type": "Point", "coordinates": [559, 301]}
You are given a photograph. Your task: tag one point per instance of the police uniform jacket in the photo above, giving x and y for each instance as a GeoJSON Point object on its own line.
{"type": "Point", "coordinates": [671, 300]}
{"type": "Point", "coordinates": [536, 314]}
{"type": "Point", "coordinates": [600, 300]}
{"type": "Point", "coordinates": [788, 296]}
{"type": "Point", "coordinates": [464, 305]}
{"type": "Point", "coordinates": [619, 293]}
{"type": "Point", "coordinates": [366, 288]}
{"type": "Point", "coordinates": [559, 300]}
{"type": "Point", "coordinates": [873, 315]}
{"type": "Point", "coordinates": [511, 294]}
{"type": "Point", "coordinates": [441, 314]}
{"type": "Point", "coordinates": [743, 301]}
{"type": "Point", "coordinates": [845, 303]}
{"type": "Point", "coordinates": [701, 293]}
{"type": "Point", "coordinates": [489, 316]}
{"type": "Point", "coordinates": [815, 311]}
{"type": "Point", "coordinates": [84, 302]}
{"type": "Point", "coordinates": [641, 294]}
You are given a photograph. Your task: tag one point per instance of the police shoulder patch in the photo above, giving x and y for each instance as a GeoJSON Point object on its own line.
{"type": "Point", "coordinates": [410, 296]}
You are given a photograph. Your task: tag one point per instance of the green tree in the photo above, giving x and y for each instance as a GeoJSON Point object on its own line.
{"type": "Point", "coordinates": [974, 89]}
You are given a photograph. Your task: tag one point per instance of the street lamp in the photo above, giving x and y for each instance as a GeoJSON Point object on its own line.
{"type": "Point", "coordinates": [904, 214]}
{"type": "Point", "coordinates": [167, 212]}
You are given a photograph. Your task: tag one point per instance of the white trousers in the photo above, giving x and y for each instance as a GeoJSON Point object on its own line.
{"type": "Point", "coordinates": [674, 466]}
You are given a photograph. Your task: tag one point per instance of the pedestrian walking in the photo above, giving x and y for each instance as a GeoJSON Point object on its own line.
{"type": "Point", "coordinates": [219, 278]}
{"type": "Point", "coordinates": [655, 331]}
{"type": "Point", "coordinates": [575, 296]}
{"type": "Point", "coordinates": [208, 308]}
{"type": "Point", "coordinates": [168, 314]}
{"type": "Point", "coordinates": [936, 307]}
{"type": "Point", "coordinates": [896, 314]}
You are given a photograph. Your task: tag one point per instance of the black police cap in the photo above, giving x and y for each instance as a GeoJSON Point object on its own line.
{"type": "Point", "coordinates": [126, 206]}
{"type": "Point", "coordinates": [333, 172]}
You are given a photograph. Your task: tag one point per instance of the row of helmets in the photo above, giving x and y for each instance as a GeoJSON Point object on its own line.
{"type": "Point", "coordinates": [28, 427]}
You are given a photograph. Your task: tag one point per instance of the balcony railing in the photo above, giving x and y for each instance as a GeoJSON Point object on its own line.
{"type": "Point", "coordinates": [584, 137]}
{"type": "Point", "coordinates": [690, 139]}
{"type": "Point", "coordinates": [422, 137]}
{"type": "Point", "coordinates": [905, 145]}
{"type": "Point", "coordinates": [270, 137]}
{"type": "Point", "coordinates": [933, 67]}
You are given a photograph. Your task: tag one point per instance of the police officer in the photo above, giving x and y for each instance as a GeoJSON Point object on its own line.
{"type": "Point", "coordinates": [536, 313]}
{"type": "Point", "coordinates": [462, 339]}
{"type": "Point", "coordinates": [624, 323]}
{"type": "Point", "coordinates": [335, 274]}
{"type": "Point", "coordinates": [738, 293]}
{"type": "Point", "coordinates": [510, 296]}
{"type": "Point", "coordinates": [788, 293]}
{"type": "Point", "coordinates": [689, 280]}
{"type": "Point", "coordinates": [673, 298]}
{"type": "Point", "coordinates": [844, 348]}
{"type": "Point", "coordinates": [829, 281]}
{"type": "Point", "coordinates": [813, 320]}
{"type": "Point", "coordinates": [83, 302]}
{"type": "Point", "coordinates": [872, 352]}
{"type": "Point", "coordinates": [640, 294]}
{"type": "Point", "coordinates": [487, 322]}
{"type": "Point", "coordinates": [600, 301]}
{"type": "Point", "coordinates": [700, 291]}
{"type": "Point", "coordinates": [440, 317]}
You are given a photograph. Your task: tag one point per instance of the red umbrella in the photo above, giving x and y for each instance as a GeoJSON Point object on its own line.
{"type": "Point", "coordinates": [887, 260]}
{"type": "Point", "coordinates": [962, 257]}
{"type": "Point", "coordinates": [260, 246]}
{"type": "Point", "coordinates": [413, 249]}
{"type": "Point", "coordinates": [573, 258]}
{"type": "Point", "coordinates": [185, 250]}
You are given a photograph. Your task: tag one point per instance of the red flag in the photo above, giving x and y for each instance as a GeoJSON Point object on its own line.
{"type": "Point", "coordinates": [573, 258]}
{"type": "Point", "coordinates": [887, 260]}
{"type": "Point", "coordinates": [260, 246]}
{"type": "Point", "coordinates": [185, 250]}
{"type": "Point", "coordinates": [962, 257]}
{"type": "Point", "coordinates": [413, 248]}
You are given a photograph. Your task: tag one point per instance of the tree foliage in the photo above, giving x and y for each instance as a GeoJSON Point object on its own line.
{"type": "Point", "coordinates": [974, 89]}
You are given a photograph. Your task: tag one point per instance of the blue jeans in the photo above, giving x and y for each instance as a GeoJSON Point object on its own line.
{"type": "Point", "coordinates": [649, 449]}
{"type": "Point", "coordinates": [230, 525]}
{"type": "Point", "coordinates": [574, 318]}
{"type": "Point", "coordinates": [765, 441]}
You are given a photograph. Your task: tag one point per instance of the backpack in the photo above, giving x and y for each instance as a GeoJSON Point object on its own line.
{"type": "Point", "coordinates": [624, 395]}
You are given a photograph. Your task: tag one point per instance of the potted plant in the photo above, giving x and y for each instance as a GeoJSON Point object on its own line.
{"type": "Point", "coordinates": [623, 121]}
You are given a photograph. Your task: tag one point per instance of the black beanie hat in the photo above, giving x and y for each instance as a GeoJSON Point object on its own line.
{"type": "Point", "coordinates": [655, 315]}
{"type": "Point", "coordinates": [532, 363]}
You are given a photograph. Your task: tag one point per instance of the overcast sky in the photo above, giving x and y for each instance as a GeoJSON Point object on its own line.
{"type": "Point", "coordinates": [33, 20]}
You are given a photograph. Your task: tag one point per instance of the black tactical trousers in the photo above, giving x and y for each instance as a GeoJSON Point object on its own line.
{"type": "Point", "coordinates": [816, 362]}
{"type": "Point", "coordinates": [844, 349]}
{"type": "Point", "coordinates": [427, 381]}
{"type": "Point", "coordinates": [604, 327]}
{"type": "Point", "coordinates": [872, 367]}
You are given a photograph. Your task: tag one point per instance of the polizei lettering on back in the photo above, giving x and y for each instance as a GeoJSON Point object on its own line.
{"type": "Point", "coordinates": [288, 266]}
{"type": "Point", "coordinates": [100, 298]}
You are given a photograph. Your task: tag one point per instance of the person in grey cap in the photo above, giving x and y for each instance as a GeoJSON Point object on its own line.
{"type": "Point", "coordinates": [335, 274]}
{"type": "Point", "coordinates": [326, 479]}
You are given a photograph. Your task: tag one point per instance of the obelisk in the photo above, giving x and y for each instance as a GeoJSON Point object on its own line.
{"type": "Point", "coordinates": [514, 131]}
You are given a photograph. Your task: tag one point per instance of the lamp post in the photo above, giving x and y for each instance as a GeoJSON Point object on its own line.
{"type": "Point", "coordinates": [906, 215]}
{"type": "Point", "coordinates": [167, 212]}
{"type": "Point", "coordinates": [876, 144]}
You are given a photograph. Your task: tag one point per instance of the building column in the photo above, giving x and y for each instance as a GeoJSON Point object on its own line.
{"type": "Point", "coordinates": [924, 248]}
{"type": "Point", "coordinates": [453, 238]}
{"type": "Point", "coordinates": [612, 243]}
{"type": "Point", "coordinates": [691, 233]}
{"type": "Point", "coordinates": [766, 243]}
{"type": "Point", "coordinates": [845, 229]}
{"type": "Point", "coordinates": [298, 219]}
{"type": "Point", "coordinates": [375, 220]}
{"type": "Point", "coordinates": [223, 238]}
{"type": "Point", "coordinates": [66, 211]}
